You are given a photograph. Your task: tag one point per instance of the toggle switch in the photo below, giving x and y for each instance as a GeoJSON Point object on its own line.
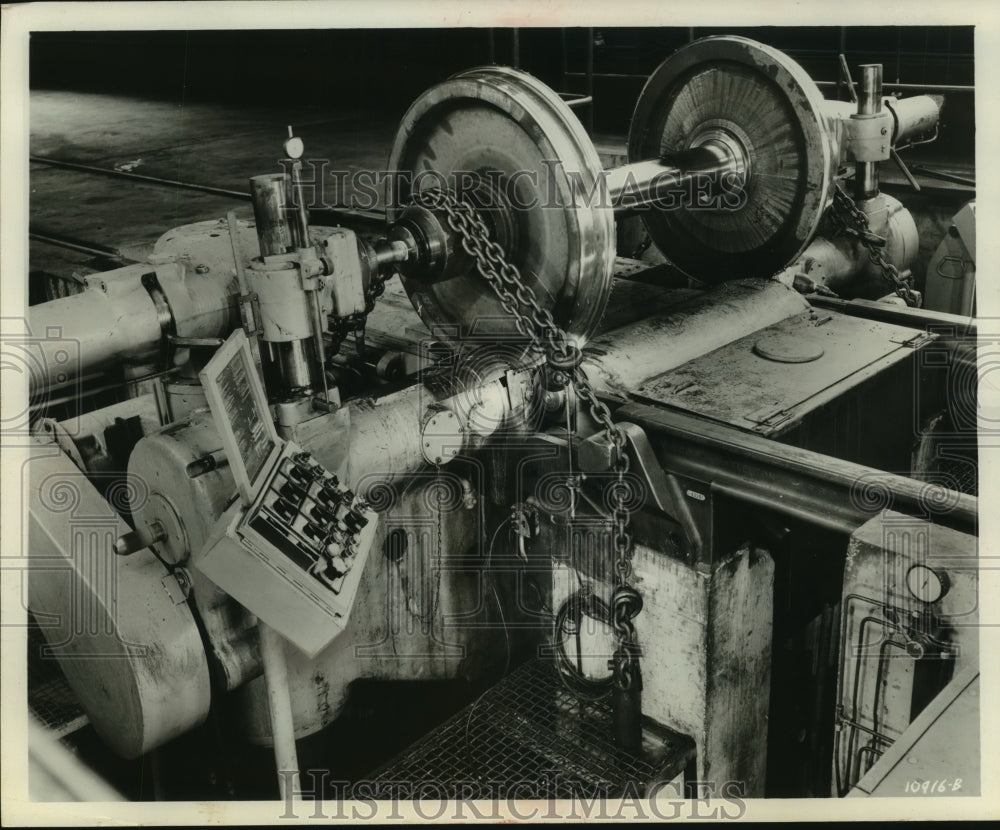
{"type": "Point", "coordinates": [292, 491]}
{"type": "Point", "coordinates": [285, 509]}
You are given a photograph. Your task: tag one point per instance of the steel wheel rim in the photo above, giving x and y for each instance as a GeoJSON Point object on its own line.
{"type": "Point", "coordinates": [778, 79]}
{"type": "Point", "coordinates": [566, 253]}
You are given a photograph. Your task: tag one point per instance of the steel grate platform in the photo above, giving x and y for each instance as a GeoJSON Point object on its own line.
{"type": "Point", "coordinates": [963, 473]}
{"type": "Point", "coordinates": [530, 737]}
{"type": "Point", "coordinates": [50, 698]}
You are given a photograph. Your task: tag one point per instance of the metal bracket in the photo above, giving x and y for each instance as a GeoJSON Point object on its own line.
{"type": "Point", "coordinates": [54, 431]}
{"type": "Point", "coordinates": [177, 584]}
{"type": "Point", "coordinates": [250, 313]}
{"type": "Point", "coordinates": [247, 302]}
{"type": "Point", "coordinates": [663, 489]}
{"type": "Point", "coordinates": [768, 417]}
{"type": "Point", "coordinates": [869, 137]}
{"type": "Point", "coordinates": [212, 342]}
{"type": "Point", "coordinates": [914, 341]}
{"type": "Point", "coordinates": [520, 391]}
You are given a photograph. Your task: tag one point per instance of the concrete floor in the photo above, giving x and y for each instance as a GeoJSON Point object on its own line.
{"type": "Point", "coordinates": [209, 144]}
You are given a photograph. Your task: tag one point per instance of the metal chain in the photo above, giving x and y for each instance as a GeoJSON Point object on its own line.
{"type": "Point", "coordinates": [536, 323]}
{"type": "Point", "coordinates": [340, 327]}
{"type": "Point", "coordinates": [642, 247]}
{"type": "Point", "coordinates": [852, 221]}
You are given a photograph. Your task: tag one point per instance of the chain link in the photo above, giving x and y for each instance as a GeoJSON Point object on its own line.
{"type": "Point", "coordinates": [642, 247]}
{"type": "Point", "coordinates": [536, 323]}
{"type": "Point", "coordinates": [341, 327]}
{"type": "Point", "coordinates": [851, 220]}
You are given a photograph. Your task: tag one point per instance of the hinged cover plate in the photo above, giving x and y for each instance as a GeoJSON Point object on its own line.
{"type": "Point", "coordinates": [737, 385]}
{"type": "Point", "coordinates": [239, 407]}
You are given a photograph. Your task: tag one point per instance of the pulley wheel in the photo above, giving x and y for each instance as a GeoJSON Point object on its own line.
{"type": "Point", "coordinates": [749, 95]}
{"type": "Point", "coordinates": [506, 129]}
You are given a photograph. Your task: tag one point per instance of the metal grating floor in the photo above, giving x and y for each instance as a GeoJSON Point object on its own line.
{"type": "Point", "coordinates": [964, 474]}
{"type": "Point", "coordinates": [50, 698]}
{"type": "Point", "coordinates": [530, 737]}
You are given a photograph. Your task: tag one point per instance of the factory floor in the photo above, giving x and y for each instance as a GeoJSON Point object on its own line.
{"type": "Point", "coordinates": [210, 144]}
{"type": "Point", "coordinates": [200, 143]}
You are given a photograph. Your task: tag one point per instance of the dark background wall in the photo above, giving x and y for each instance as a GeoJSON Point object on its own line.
{"type": "Point", "coordinates": [386, 68]}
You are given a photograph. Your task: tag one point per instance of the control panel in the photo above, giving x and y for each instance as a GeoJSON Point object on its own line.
{"type": "Point", "coordinates": [292, 547]}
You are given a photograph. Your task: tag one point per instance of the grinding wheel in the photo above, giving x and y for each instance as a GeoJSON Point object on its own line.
{"type": "Point", "coordinates": [759, 99]}
{"type": "Point", "coordinates": [515, 131]}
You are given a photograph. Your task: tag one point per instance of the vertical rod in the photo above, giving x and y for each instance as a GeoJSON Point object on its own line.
{"type": "Point", "coordinates": [626, 709]}
{"type": "Point", "coordinates": [303, 216]}
{"type": "Point", "coordinates": [899, 53]}
{"type": "Point", "coordinates": [845, 73]}
{"type": "Point", "coordinates": [493, 46]}
{"type": "Point", "coordinates": [318, 343]}
{"type": "Point", "coordinates": [247, 315]}
{"type": "Point", "coordinates": [313, 296]}
{"type": "Point", "coordinates": [870, 97]}
{"type": "Point", "coordinates": [565, 59]}
{"type": "Point", "coordinates": [517, 48]}
{"type": "Point", "coordinates": [843, 61]}
{"type": "Point", "coordinates": [156, 768]}
{"type": "Point", "coordinates": [279, 707]}
{"type": "Point", "coordinates": [270, 211]}
{"type": "Point", "coordinates": [300, 198]}
{"type": "Point", "coordinates": [590, 81]}
{"type": "Point", "coordinates": [947, 58]}
{"type": "Point", "coordinates": [869, 103]}
{"type": "Point", "coordinates": [296, 364]}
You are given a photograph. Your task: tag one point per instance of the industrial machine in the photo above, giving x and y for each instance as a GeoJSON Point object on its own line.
{"type": "Point", "coordinates": [709, 521]}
